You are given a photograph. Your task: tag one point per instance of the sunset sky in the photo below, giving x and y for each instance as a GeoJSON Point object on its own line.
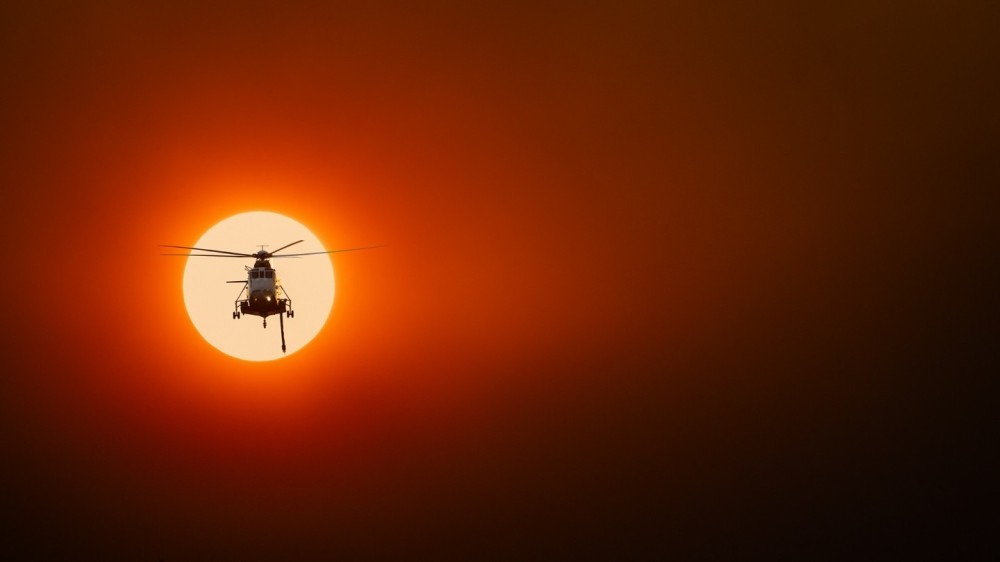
{"type": "Point", "coordinates": [679, 278]}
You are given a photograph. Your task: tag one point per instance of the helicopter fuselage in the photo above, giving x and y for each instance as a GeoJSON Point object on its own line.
{"type": "Point", "coordinates": [262, 292]}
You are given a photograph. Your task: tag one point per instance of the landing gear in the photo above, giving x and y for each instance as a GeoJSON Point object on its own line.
{"type": "Point", "coordinates": [290, 314]}
{"type": "Point", "coordinates": [236, 316]}
{"type": "Point", "coordinates": [265, 322]}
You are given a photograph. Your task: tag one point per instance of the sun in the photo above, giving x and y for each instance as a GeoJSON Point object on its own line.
{"type": "Point", "coordinates": [308, 281]}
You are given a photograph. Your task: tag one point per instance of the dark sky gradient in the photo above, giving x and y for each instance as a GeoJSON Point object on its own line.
{"type": "Point", "coordinates": [705, 281]}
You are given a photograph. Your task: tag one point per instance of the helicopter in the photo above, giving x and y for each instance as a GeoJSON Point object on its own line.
{"type": "Point", "coordinates": [262, 285]}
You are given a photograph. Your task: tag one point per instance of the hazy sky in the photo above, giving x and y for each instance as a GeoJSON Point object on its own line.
{"type": "Point", "coordinates": [683, 278]}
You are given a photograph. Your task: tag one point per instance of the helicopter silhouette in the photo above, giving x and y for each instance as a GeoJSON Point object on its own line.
{"type": "Point", "coordinates": [261, 286]}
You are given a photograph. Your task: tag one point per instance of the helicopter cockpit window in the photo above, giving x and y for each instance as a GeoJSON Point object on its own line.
{"type": "Point", "coordinates": [254, 274]}
{"type": "Point", "coordinates": [269, 274]}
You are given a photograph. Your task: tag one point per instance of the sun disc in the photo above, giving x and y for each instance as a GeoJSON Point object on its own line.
{"type": "Point", "coordinates": [210, 301]}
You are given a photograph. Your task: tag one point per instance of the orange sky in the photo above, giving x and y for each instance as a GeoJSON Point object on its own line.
{"type": "Point", "coordinates": [642, 261]}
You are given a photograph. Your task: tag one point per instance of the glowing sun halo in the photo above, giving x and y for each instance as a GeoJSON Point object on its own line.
{"type": "Point", "coordinates": [210, 300]}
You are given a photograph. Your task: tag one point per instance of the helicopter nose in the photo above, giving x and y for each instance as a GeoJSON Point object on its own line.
{"type": "Point", "coordinates": [261, 297]}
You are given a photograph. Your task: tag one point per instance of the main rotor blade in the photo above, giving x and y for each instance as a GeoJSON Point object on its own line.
{"type": "Point", "coordinates": [330, 251]}
{"type": "Point", "coordinates": [285, 246]}
{"type": "Point", "coordinates": [209, 255]}
{"type": "Point", "coordinates": [208, 250]}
